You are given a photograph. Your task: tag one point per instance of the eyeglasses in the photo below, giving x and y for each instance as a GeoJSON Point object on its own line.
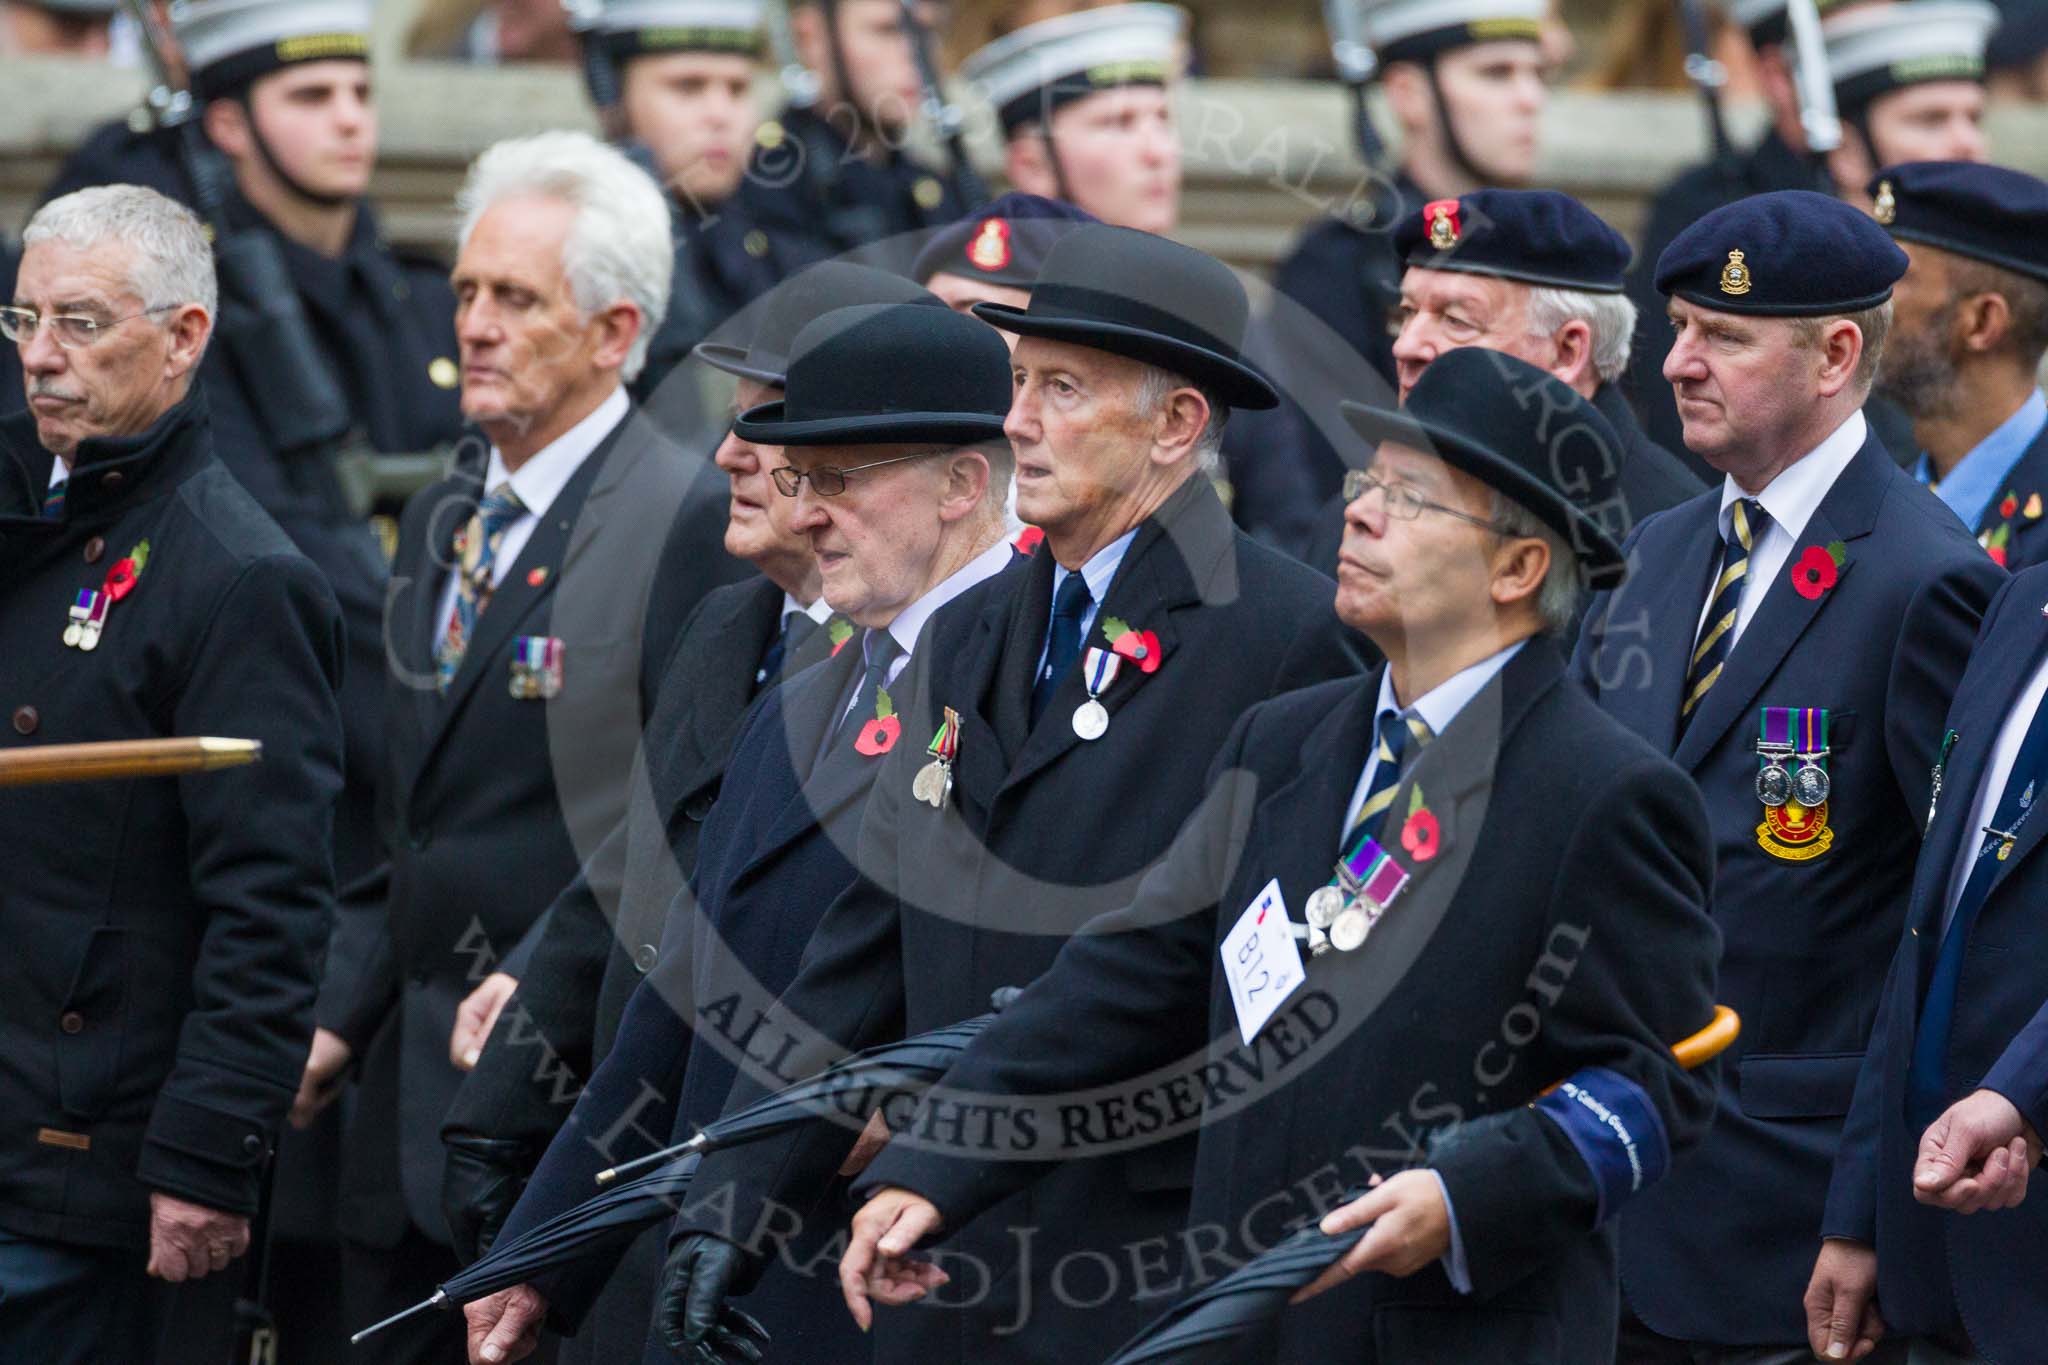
{"type": "Point", "coordinates": [828, 482]}
{"type": "Point", "coordinates": [1403, 502]}
{"type": "Point", "coordinates": [72, 331]}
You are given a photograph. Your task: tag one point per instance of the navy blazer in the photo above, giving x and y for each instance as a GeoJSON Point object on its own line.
{"type": "Point", "coordinates": [1560, 924]}
{"type": "Point", "coordinates": [1722, 1252]}
{"type": "Point", "coordinates": [1932, 1264]}
{"type": "Point", "coordinates": [1042, 832]}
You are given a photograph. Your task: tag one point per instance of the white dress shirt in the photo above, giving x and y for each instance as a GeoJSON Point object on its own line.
{"type": "Point", "coordinates": [538, 483]}
{"type": "Point", "coordinates": [1791, 499]}
{"type": "Point", "coordinates": [1991, 787]}
{"type": "Point", "coordinates": [904, 629]}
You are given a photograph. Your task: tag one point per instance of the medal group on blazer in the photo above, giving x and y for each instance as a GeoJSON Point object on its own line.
{"type": "Point", "coordinates": [1795, 799]}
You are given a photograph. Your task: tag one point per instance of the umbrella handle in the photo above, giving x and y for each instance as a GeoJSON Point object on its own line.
{"type": "Point", "coordinates": [1697, 1049]}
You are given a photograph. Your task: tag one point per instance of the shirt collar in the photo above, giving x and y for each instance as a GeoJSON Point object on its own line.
{"type": "Point", "coordinates": [1795, 495]}
{"type": "Point", "coordinates": [911, 619]}
{"type": "Point", "coordinates": [818, 610]}
{"type": "Point", "coordinates": [540, 480]}
{"type": "Point", "coordinates": [1977, 477]}
{"type": "Point", "coordinates": [60, 473]}
{"type": "Point", "coordinates": [1100, 567]}
{"type": "Point", "coordinates": [1439, 706]}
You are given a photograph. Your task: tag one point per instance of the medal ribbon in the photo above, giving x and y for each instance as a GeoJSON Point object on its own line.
{"type": "Point", "coordinates": [1100, 670]}
{"type": "Point", "coordinates": [1813, 726]}
{"type": "Point", "coordinates": [88, 603]}
{"type": "Point", "coordinates": [946, 742]}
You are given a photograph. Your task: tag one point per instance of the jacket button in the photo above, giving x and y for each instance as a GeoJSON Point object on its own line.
{"type": "Point", "coordinates": [252, 1144]}
{"type": "Point", "coordinates": [697, 807]}
{"type": "Point", "coordinates": [643, 958]}
{"type": "Point", "coordinates": [113, 481]}
{"type": "Point", "coordinates": [94, 548]}
{"type": "Point", "coordinates": [26, 720]}
{"type": "Point", "coordinates": [72, 1022]}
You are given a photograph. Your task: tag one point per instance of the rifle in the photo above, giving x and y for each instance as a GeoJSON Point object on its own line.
{"type": "Point", "coordinates": [1818, 116]}
{"type": "Point", "coordinates": [1356, 64]}
{"type": "Point", "coordinates": [299, 405]}
{"type": "Point", "coordinates": [944, 115]}
{"type": "Point", "coordinates": [1709, 77]}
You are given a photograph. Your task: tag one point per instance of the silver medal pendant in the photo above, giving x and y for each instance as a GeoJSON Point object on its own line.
{"type": "Point", "coordinates": [1091, 719]}
{"type": "Point", "coordinates": [1325, 903]}
{"type": "Point", "coordinates": [929, 786]}
{"type": "Point", "coordinates": [1773, 784]}
{"type": "Point", "coordinates": [1349, 929]}
{"type": "Point", "coordinates": [89, 636]}
{"type": "Point", "coordinates": [72, 633]}
{"type": "Point", "coordinates": [1810, 785]}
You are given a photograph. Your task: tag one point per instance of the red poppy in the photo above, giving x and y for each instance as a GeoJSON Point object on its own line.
{"type": "Point", "coordinates": [1421, 835]}
{"type": "Point", "coordinates": [878, 736]}
{"type": "Point", "coordinates": [1997, 553]}
{"type": "Point", "coordinates": [120, 580]}
{"type": "Point", "coordinates": [1027, 540]}
{"type": "Point", "coordinates": [2009, 505]}
{"type": "Point", "coordinates": [1814, 574]}
{"type": "Point", "coordinates": [1141, 647]}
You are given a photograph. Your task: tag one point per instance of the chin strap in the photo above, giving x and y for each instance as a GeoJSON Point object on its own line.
{"type": "Point", "coordinates": [1453, 144]}
{"type": "Point", "coordinates": [285, 177]}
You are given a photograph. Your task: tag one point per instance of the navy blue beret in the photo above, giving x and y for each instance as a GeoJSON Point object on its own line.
{"type": "Point", "coordinates": [2020, 39]}
{"type": "Point", "coordinates": [1005, 243]}
{"type": "Point", "coordinates": [1787, 254]}
{"type": "Point", "coordinates": [1536, 236]}
{"type": "Point", "coordinates": [1992, 213]}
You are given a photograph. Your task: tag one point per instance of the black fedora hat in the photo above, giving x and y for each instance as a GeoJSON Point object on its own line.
{"type": "Point", "coordinates": [1147, 298]}
{"type": "Point", "coordinates": [888, 374]}
{"type": "Point", "coordinates": [1522, 433]}
{"type": "Point", "coordinates": [808, 294]}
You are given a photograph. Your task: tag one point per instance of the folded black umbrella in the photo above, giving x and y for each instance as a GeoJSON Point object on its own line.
{"type": "Point", "coordinates": [614, 1216]}
{"type": "Point", "coordinates": [855, 1085]}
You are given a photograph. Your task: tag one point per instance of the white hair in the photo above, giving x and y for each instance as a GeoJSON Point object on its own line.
{"type": "Point", "coordinates": [618, 248]}
{"type": "Point", "coordinates": [1155, 385]}
{"type": "Point", "coordinates": [1611, 318]}
{"type": "Point", "coordinates": [172, 263]}
{"type": "Point", "coordinates": [1557, 601]}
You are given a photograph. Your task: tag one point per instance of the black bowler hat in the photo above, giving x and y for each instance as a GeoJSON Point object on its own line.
{"type": "Point", "coordinates": [1519, 431]}
{"type": "Point", "coordinates": [1147, 298]}
{"type": "Point", "coordinates": [1535, 236]}
{"type": "Point", "coordinates": [806, 295]}
{"type": "Point", "coordinates": [1991, 213]}
{"type": "Point", "coordinates": [888, 374]}
{"type": "Point", "coordinates": [1787, 254]}
{"type": "Point", "coordinates": [1005, 243]}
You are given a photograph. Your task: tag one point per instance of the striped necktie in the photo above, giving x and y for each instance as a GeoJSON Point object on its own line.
{"type": "Point", "coordinates": [53, 501]}
{"type": "Point", "coordinates": [1395, 734]}
{"type": "Point", "coordinates": [473, 581]}
{"type": "Point", "coordinates": [1747, 522]}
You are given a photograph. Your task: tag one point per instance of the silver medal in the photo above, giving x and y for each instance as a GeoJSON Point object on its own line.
{"type": "Point", "coordinates": [1091, 720]}
{"type": "Point", "coordinates": [89, 636]}
{"type": "Point", "coordinates": [71, 634]}
{"type": "Point", "coordinates": [1773, 784]}
{"type": "Point", "coordinates": [1810, 785]}
{"type": "Point", "coordinates": [1349, 929]}
{"type": "Point", "coordinates": [929, 784]}
{"type": "Point", "coordinates": [1325, 903]}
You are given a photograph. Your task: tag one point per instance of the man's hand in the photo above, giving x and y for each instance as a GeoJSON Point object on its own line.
{"type": "Point", "coordinates": [191, 1241]}
{"type": "Point", "coordinates": [1976, 1156]}
{"type": "Point", "coordinates": [878, 1262]}
{"type": "Point", "coordinates": [867, 1147]}
{"type": "Point", "coordinates": [320, 1084]}
{"type": "Point", "coordinates": [1842, 1322]}
{"type": "Point", "coordinates": [505, 1326]}
{"type": "Point", "coordinates": [1410, 1228]}
{"type": "Point", "coordinates": [475, 1016]}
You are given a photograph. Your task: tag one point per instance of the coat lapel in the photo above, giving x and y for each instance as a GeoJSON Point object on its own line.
{"type": "Point", "coordinates": [1846, 514]}
{"type": "Point", "coordinates": [810, 708]}
{"type": "Point", "coordinates": [1658, 612]}
{"type": "Point", "coordinates": [719, 680]}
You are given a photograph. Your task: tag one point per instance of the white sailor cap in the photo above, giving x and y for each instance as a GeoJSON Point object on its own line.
{"type": "Point", "coordinates": [631, 28]}
{"type": "Point", "coordinates": [1871, 51]}
{"type": "Point", "coordinates": [229, 43]}
{"type": "Point", "coordinates": [1417, 30]}
{"type": "Point", "coordinates": [1028, 74]}
{"type": "Point", "coordinates": [1765, 20]}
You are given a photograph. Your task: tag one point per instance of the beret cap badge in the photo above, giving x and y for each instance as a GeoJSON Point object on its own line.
{"type": "Point", "coordinates": [1443, 223]}
{"type": "Point", "coordinates": [1735, 278]}
{"type": "Point", "coordinates": [990, 249]}
{"type": "Point", "coordinates": [1886, 208]}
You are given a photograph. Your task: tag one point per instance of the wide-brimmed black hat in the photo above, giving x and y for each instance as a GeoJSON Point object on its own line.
{"type": "Point", "coordinates": [791, 305]}
{"type": "Point", "coordinates": [1522, 433]}
{"type": "Point", "coordinates": [1147, 298]}
{"type": "Point", "coordinates": [888, 374]}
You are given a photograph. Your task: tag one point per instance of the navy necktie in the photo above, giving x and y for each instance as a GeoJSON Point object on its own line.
{"type": "Point", "coordinates": [880, 649]}
{"type": "Point", "coordinates": [1926, 1085]}
{"type": "Point", "coordinates": [797, 627]}
{"type": "Point", "coordinates": [1063, 642]}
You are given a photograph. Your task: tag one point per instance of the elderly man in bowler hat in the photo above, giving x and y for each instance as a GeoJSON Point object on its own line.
{"type": "Point", "coordinates": [1080, 697]}
{"type": "Point", "coordinates": [899, 476]}
{"type": "Point", "coordinates": [1478, 896]}
{"type": "Point", "coordinates": [1794, 652]}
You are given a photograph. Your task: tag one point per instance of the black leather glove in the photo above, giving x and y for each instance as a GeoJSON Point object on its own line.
{"type": "Point", "coordinates": [481, 1180]}
{"type": "Point", "coordinates": [696, 1322]}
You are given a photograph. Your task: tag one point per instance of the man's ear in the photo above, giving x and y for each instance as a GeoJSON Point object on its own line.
{"type": "Point", "coordinates": [1519, 568]}
{"type": "Point", "coordinates": [618, 328]}
{"type": "Point", "coordinates": [1574, 363]}
{"type": "Point", "coordinates": [1025, 165]}
{"type": "Point", "coordinates": [1178, 424]}
{"type": "Point", "coordinates": [189, 328]}
{"type": "Point", "coordinates": [967, 476]}
{"type": "Point", "coordinates": [1841, 349]}
{"type": "Point", "coordinates": [226, 123]}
